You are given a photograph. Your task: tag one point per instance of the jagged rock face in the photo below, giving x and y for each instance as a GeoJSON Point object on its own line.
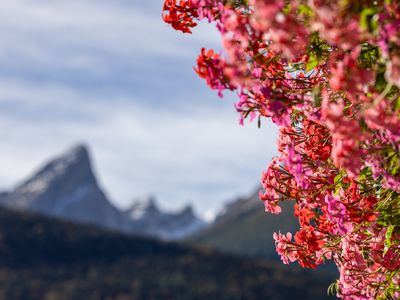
{"type": "Point", "coordinates": [143, 208]}
{"type": "Point", "coordinates": [66, 187]}
{"type": "Point", "coordinates": [169, 226]}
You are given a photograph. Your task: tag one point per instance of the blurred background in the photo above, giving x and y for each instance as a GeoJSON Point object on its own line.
{"type": "Point", "coordinates": [112, 75]}
{"type": "Point", "coordinates": [122, 175]}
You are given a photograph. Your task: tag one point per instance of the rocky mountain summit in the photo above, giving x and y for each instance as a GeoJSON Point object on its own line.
{"type": "Point", "coordinates": [67, 188]}
{"type": "Point", "coordinates": [167, 225]}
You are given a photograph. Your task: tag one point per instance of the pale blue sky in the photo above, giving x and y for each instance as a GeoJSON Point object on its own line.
{"type": "Point", "coordinates": [112, 75]}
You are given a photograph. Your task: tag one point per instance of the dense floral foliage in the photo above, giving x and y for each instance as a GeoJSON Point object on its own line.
{"type": "Point", "coordinates": [328, 74]}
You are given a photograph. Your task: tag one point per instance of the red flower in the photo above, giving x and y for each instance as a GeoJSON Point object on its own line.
{"type": "Point", "coordinates": [318, 144]}
{"type": "Point", "coordinates": [180, 16]}
{"type": "Point", "coordinates": [210, 66]}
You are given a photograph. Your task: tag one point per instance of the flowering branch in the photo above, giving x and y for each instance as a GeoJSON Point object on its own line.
{"type": "Point", "coordinates": [328, 74]}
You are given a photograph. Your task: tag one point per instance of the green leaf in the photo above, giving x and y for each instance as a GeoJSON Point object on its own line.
{"type": "Point", "coordinates": [338, 177]}
{"type": "Point", "coordinates": [333, 289]}
{"type": "Point", "coordinates": [397, 104]}
{"type": "Point", "coordinates": [313, 62]}
{"type": "Point", "coordinates": [388, 237]}
{"type": "Point", "coordinates": [367, 22]}
{"type": "Point", "coordinates": [305, 10]}
{"type": "Point", "coordinates": [369, 55]}
{"type": "Point", "coordinates": [287, 9]}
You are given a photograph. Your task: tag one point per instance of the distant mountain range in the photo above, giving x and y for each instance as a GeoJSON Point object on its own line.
{"type": "Point", "coordinates": [66, 187]}
{"type": "Point", "coordinates": [165, 225]}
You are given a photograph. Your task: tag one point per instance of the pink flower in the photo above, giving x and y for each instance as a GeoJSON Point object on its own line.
{"type": "Point", "coordinates": [338, 215]}
{"type": "Point", "coordinates": [285, 248]}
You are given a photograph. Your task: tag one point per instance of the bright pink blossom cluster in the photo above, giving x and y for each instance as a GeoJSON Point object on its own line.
{"type": "Point", "coordinates": [328, 74]}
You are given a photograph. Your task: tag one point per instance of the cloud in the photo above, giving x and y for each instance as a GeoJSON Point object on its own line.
{"type": "Point", "coordinates": [202, 156]}
{"type": "Point", "coordinates": [81, 35]}
{"type": "Point", "coordinates": [111, 74]}
{"type": "Point", "coordinates": [119, 47]}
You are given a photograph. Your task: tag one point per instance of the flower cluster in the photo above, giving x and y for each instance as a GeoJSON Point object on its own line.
{"type": "Point", "coordinates": [210, 67]}
{"type": "Point", "coordinates": [180, 15]}
{"type": "Point", "coordinates": [328, 74]}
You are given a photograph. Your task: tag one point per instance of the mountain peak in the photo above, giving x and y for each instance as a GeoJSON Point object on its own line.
{"type": "Point", "coordinates": [143, 207]}
{"type": "Point", "coordinates": [165, 225]}
{"type": "Point", "coordinates": [187, 210]}
{"type": "Point", "coordinates": [77, 152]}
{"type": "Point", "coordinates": [66, 187]}
{"type": "Point", "coordinates": [73, 166]}
{"type": "Point", "coordinates": [75, 156]}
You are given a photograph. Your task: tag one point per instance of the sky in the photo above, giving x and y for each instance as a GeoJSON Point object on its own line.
{"type": "Point", "coordinates": [112, 75]}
